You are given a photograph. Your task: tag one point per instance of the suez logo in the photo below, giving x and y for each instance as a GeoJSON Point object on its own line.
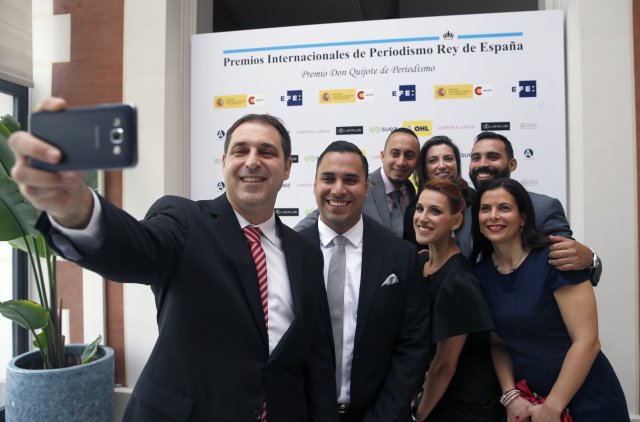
{"type": "Point", "coordinates": [349, 130]}
{"type": "Point", "coordinates": [405, 93]}
{"type": "Point", "coordinates": [525, 89]}
{"type": "Point", "coordinates": [382, 129]}
{"type": "Point", "coordinates": [495, 126]}
{"type": "Point", "coordinates": [293, 98]}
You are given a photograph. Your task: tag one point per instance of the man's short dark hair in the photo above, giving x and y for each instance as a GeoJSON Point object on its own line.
{"type": "Point", "coordinates": [492, 135]}
{"type": "Point", "coordinates": [345, 147]}
{"type": "Point", "coordinates": [401, 130]}
{"type": "Point", "coordinates": [265, 119]}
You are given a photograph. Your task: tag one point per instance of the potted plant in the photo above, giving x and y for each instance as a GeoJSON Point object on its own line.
{"type": "Point", "coordinates": [35, 380]}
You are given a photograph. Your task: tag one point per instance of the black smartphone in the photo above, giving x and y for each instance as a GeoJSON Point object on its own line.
{"type": "Point", "coordinates": [99, 137]}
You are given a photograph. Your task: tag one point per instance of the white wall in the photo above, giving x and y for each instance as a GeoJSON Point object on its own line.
{"type": "Point", "coordinates": [602, 168]}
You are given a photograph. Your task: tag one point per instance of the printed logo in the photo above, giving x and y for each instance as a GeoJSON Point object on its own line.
{"type": "Point", "coordinates": [287, 212]}
{"type": "Point", "coordinates": [220, 185]}
{"type": "Point", "coordinates": [529, 182]}
{"type": "Point", "coordinates": [310, 158]}
{"type": "Point", "coordinates": [525, 89]}
{"type": "Point", "coordinates": [334, 96]}
{"type": "Point", "coordinates": [286, 185]}
{"type": "Point", "coordinates": [447, 35]}
{"type": "Point", "coordinates": [456, 126]}
{"type": "Point", "coordinates": [364, 95]}
{"type": "Point", "coordinates": [382, 129]}
{"type": "Point", "coordinates": [420, 127]}
{"type": "Point", "coordinates": [405, 93]}
{"type": "Point", "coordinates": [528, 153]}
{"type": "Point", "coordinates": [528, 125]}
{"type": "Point", "coordinates": [492, 126]}
{"type": "Point", "coordinates": [293, 98]}
{"type": "Point", "coordinates": [255, 100]}
{"type": "Point", "coordinates": [349, 130]}
{"type": "Point", "coordinates": [312, 131]}
{"type": "Point", "coordinates": [294, 158]}
{"type": "Point", "coordinates": [483, 91]}
{"type": "Point", "coordinates": [453, 92]}
{"type": "Point", "coordinates": [230, 101]}
{"type": "Point", "coordinates": [220, 134]}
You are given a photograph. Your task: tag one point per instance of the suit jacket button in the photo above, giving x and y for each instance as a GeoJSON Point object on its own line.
{"type": "Point", "coordinates": [256, 414]}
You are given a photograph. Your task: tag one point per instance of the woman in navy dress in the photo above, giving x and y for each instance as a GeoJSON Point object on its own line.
{"type": "Point", "coordinates": [546, 320]}
{"type": "Point", "coordinates": [461, 384]}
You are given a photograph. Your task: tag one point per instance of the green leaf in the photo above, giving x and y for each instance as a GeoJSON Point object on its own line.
{"type": "Point", "coordinates": [90, 350]}
{"type": "Point", "coordinates": [6, 156]}
{"type": "Point", "coordinates": [10, 123]}
{"type": "Point", "coordinates": [18, 243]}
{"type": "Point", "coordinates": [26, 313]}
{"type": "Point", "coordinates": [42, 339]}
{"type": "Point", "coordinates": [17, 216]}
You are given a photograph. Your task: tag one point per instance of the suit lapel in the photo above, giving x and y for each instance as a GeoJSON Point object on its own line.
{"type": "Point", "coordinates": [238, 252]}
{"type": "Point", "coordinates": [376, 191]}
{"type": "Point", "coordinates": [372, 254]}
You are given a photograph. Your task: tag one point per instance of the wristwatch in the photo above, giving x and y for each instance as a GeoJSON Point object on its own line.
{"type": "Point", "coordinates": [596, 261]}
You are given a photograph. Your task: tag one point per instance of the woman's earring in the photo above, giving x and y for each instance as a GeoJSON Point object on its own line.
{"type": "Point", "coordinates": [453, 234]}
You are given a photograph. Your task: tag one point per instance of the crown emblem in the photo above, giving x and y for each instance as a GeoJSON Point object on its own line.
{"type": "Point", "coordinates": [447, 35]}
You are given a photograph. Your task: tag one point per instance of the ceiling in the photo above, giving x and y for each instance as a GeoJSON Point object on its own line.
{"type": "Point", "coordinates": [229, 15]}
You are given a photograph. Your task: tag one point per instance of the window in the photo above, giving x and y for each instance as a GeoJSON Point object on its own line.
{"type": "Point", "coordinates": [13, 268]}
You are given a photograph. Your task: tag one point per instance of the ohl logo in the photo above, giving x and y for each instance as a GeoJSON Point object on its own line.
{"type": "Point", "coordinates": [421, 128]}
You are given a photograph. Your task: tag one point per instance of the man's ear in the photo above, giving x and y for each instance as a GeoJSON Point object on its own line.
{"type": "Point", "coordinates": [513, 163]}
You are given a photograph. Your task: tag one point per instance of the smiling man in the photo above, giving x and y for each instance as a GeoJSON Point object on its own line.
{"type": "Point", "coordinates": [376, 298]}
{"type": "Point", "coordinates": [244, 329]}
{"type": "Point", "coordinates": [492, 158]}
{"type": "Point", "coordinates": [390, 190]}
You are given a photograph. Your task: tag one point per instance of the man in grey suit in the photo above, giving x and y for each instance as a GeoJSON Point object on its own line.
{"type": "Point", "coordinates": [390, 190]}
{"type": "Point", "coordinates": [375, 295]}
{"type": "Point", "coordinates": [491, 158]}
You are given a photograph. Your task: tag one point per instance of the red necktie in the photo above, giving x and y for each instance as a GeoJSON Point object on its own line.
{"type": "Point", "coordinates": [260, 259]}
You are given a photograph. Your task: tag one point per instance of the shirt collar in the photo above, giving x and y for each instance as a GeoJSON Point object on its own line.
{"type": "Point", "coordinates": [268, 227]}
{"type": "Point", "coordinates": [353, 235]}
{"type": "Point", "coordinates": [389, 187]}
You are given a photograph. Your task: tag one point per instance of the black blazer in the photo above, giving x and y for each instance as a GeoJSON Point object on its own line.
{"type": "Point", "coordinates": [390, 350]}
{"type": "Point", "coordinates": [211, 359]}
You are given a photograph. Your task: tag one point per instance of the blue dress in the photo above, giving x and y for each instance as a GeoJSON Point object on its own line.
{"type": "Point", "coordinates": [528, 320]}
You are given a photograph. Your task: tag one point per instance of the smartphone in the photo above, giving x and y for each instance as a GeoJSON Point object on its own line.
{"type": "Point", "coordinates": [99, 137]}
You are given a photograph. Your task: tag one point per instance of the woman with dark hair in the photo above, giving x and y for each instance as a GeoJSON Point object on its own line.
{"type": "Point", "coordinates": [439, 159]}
{"type": "Point", "coordinates": [461, 384]}
{"type": "Point", "coordinates": [546, 320]}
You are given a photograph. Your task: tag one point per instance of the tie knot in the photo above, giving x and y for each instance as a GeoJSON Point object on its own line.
{"type": "Point", "coordinates": [396, 195]}
{"type": "Point", "coordinates": [339, 240]}
{"type": "Point", "coordinates": [252, 234]}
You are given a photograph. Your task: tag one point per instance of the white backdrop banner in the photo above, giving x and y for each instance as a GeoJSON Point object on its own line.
{"type": "Point", "coordinates": [357, 81]}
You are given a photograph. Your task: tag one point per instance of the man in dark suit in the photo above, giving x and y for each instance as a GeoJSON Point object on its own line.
{"type": "Point", "coordinates": [399, 158]}
{"type": "Point", "coordinates": [379, 315]}
{"type": "Point", "coordinates": [492, 157]}
{"type": "Point", "coordinates": [235, 344]}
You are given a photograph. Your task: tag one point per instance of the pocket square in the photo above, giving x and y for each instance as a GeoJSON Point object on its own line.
{"type": "Point", "coordinates": [392, 279]}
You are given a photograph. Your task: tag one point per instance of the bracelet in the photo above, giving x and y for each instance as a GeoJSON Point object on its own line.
{"type": "Point", "coordinates": [509, 396]}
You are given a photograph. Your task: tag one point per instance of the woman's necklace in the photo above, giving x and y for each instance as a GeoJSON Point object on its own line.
{"type": "Point", "coordinates": [513, 267]}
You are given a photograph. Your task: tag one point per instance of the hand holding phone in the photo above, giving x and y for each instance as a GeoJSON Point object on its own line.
{"type": "Point", "coordinates": [100, 137]}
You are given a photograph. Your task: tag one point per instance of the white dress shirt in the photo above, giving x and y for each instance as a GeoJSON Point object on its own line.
{"type": "Point", "coordinates": [353, 253]}
{"type": "Point", "coordinates": [278, 287]}
{"type": "Point", "coordinates": [280, 301]}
